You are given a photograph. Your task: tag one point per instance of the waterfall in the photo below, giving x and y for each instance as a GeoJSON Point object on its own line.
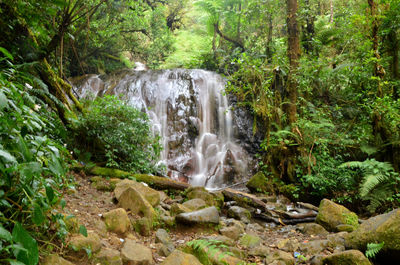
{"type": "Point", "coordinates": [190, 112]}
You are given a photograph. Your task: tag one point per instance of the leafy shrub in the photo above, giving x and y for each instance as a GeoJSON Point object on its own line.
{"type": "Point", "coordinates": [117, 134]}
{"type": "Point", "coordinates": [31, 168]}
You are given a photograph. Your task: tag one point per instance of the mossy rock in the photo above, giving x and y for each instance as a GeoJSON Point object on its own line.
{"type": "Point", "coordinates": [330, 215]}
{"type": "Point", "coordinates": [381, 228]}
{"type": "Point", "coordinates": [102, 184]}
{"type": "Point", "coordinates": [108, 172]}
{"type": "Point", "coordinates": [260, 183]}
{"type": "Point", "coordinates": [181, 258]}
{"type": "Point", "coordinates": [250, 241]}
{"type": "Point", "coordinates": [349, 257]}
{"type": "Point", "coordinates": [212, 199]}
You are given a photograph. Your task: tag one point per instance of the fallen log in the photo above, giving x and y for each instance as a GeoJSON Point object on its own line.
{"type": "Point", "coordinates": [280, 221]}
{"type": "Point", "coordinates": [307, 206]}
{"type": "Point", "coordinates": [156, 182]}
{"type": "Point", "coordinates": [244, 199]}
{"type": "Point", "coordinates": [289, 215]}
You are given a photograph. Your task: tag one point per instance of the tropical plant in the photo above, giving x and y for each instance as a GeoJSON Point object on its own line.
{"type": "Point", "coordinates": [373, 249]}
{"type": "Point", "coordinates": [378, 183]}
{"type": "Point", "coordinates": [32, 169]}
{"type": "Point", "coordinates": [118, 134]}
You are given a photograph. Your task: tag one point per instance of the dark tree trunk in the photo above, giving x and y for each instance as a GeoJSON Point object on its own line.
{"type": "Point", "coordinates": [309, 30]}
{"type": "Point", "coordinates": [394, 52]}
{"type": "Point", "coordinates": [268, 49]}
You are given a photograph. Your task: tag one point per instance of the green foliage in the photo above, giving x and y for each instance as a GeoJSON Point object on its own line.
{"type": "Point", "coordinates": [117, 134]}
{"type": "Point", "coordinates": [204, 249]}
{"type": "Point", "coordinates": [379, 180]}
{"type": "Point", "coordinates": [373, 249]}
{"type": "Point", "coordinates": [31, 166]}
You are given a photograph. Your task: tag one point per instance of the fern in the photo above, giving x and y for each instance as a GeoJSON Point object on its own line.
{"type": "Point", "coordinates": [373, 249]}
{"type": "Point", "coordinates": [377, 183]}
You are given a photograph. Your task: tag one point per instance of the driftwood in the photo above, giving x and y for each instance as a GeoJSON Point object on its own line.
{"type": "Point", "coordinates": [277, 220]}
{"type": "Point", "coordinates": [153, 181]}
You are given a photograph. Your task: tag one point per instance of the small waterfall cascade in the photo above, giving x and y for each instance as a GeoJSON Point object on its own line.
{"type": "Point", "coordinates": [191, 114]}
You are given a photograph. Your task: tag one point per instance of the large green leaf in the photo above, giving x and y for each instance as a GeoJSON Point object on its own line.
{"type": "Point", "coordinates": [6, 53]}
{"type": "Point", "coordinates": [31, 169]}
{"type": "Point", "coordinates": [38, 216]}
{"type": "Point", "coordinates": [5, 234]}
{"type": "Point", "coordinates": [15, 262]}
{"type": "Point", "coordinates": [7, 156]}
{"type": "Point", "coordinates": [3, 101]}
{"type": "Point", "coordinates": [21, 236]}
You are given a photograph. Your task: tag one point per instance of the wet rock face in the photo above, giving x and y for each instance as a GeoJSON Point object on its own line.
{"type": "Point", "coordinates": [206, 141]}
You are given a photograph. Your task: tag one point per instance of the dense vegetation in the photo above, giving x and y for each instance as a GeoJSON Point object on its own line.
{"type": "Point", "coordinates": [322, 78]}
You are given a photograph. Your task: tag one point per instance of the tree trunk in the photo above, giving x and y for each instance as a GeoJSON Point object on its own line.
{"type": "Point", "coordinates": [268, 49]}
{"type": "Point", "coordinates": [394, 52]}
{"type": "Point", "coordinates": [291, 89]}
{"type": "Point", "coordinates": [309, 30]}
{"type": "Point", "coordinates": [331, 8]}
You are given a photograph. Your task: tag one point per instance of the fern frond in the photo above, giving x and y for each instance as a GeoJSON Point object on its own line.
{"type": "Point", "coordinates": [373, 249]}
{"type": "Point", "coordinates": [371, 181]}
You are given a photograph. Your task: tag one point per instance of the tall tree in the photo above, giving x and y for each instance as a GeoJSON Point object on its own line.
{"type": "Point", "coordinates": [291, 89]}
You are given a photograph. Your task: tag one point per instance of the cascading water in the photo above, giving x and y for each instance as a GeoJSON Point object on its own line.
{"type": "Point", "coordinates": [190, 112]}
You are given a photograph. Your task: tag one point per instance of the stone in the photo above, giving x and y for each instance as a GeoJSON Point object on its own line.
{"type": "Point", "coordinates": [208, 215]}
{"type": "Point", "coordinates": [72, 223]}
{"type": "Point", "coordinates": [143, 226]}
{"type": "Point", "coordinates": [180, 258]}
{"type": "Point", "coordinates": [80, 242]}
{"type": "Point", "coordinates": [177, 208]}
{"type": "Point", "coordinates": [151, 195]}
{"type": "Point", "coordinates": [381, 228]}
{"type": "Point", "coordinates": [223, 239]}
{"type": "Point", "coordinates": [337, 241]}
{"type": "Point", "coordinates": [234, 232]}
{"type": "Point", "coordinates": [102, 184]}
{"type": "Point", "coordinates": [280, 257]}
{"type": "Point", "coordinates": [330, 215]}
{"type": "Point", "coordinates": [313, 229]}
{"type": "Point", "coordinates": [289, 244]}
{"type": "Point", "coordinates": [133, 200]}
{"type": "Point", "coordinates": [349, 257]}
{"type": "Point", "coordinates": [250, 241]}
{"type": "Point", "coordinates": [168, 220]}
{"type": "Point", "coordinates": [133, 253]}
{"type": "Point", "coordinates": [345, 228]}
{"type": "Point", "coordinates": [202, 193]}
{"type": "Point", "coordinates": [240, 213]}
{"type": "Point", "coordinates": [316, 260]}
{"type": "Point", "coordinates": [195, 204]}
{"type": "Point", "coordinates": [54, 259]}
{"type": "Point", "coordinates": [260, 183]}
{"type": "Point", "coordinates": [162, 236]}
{"type": "Point", "coordinates": [117, 221]}
{"type": "Point", "coordinates": [313, 247]}
{"type": "Point", "coordinates": [108, 257]}
{"type": "Point", "coordinates": [260, 251]}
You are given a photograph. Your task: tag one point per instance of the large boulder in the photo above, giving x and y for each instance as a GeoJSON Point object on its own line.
{"type": "Point", "coordinates": [131, 199]}
{"type": "Point", "coordinates": [250, 241]}
{"type": "Point", "coordinates": [180, 258]}
{"type": "Point", "coordinates": [177, 208]}
{"type": "Point", "coordinates": [208, 215]}
{"type": "Point", "coordinates": [349, 257]}
{"type": "Point", "coordinates": [117, 221]}
{"type": "Point", "coordinates": [136, 254]}
{"type": "Point", "coordinates": [259, 183]}
{"type": "Point", "coordinates": [331, 215]}
{"type": "Point", "coordinates": [152, 196]}
{"type": "Point", "coordinates": [280, 257]}
{"type": "Point", "coordinates": [381, 228]}
{"type": "Point", "coordinates": [310, 229]}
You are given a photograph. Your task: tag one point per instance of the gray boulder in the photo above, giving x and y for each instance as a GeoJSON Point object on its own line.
{"type": "Point", "coordinates": [208, 215]}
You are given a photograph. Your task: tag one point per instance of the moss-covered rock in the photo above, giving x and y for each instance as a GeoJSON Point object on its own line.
{"type": "Point", "coordinates": [208, 215]}
{"type": "Point", "coordinates": [195, 204]}
{"type": "Point", "coordinates": [117, 221]}
{"type": "Point", "coordinates": [80, 243]}
{"type": "Point", "coordinates": [108, 257]}
{"type": "Point", "coordinates": [102, 184]}
{"type": "Point", "coordinates": [260, 183]}
{"type": "Point", "coordinates": [151, 195]}
{"type": "Point", "coordinates": [211, 199]}
{"type": "Point", "coordinates": [181, 258]}
{"type": "Point", "coordinates": [280, 257]}
{"type": "Point", "coordinates": [143, 226]}
{"type": "Point", "coordinates": [330, 215]}
{"type": "Point", "coordinates": [55, 260]}
{"type": "Point", "coordinates": [349, 257]}
{"type": "Point", "coordinates": [177, 208]}
{"type": "Point", "coordinates": [133, 200]}
{"type": "Point", "coordinates": [381, 228]}
{"type": "Point", "coordinates": [250, 241]}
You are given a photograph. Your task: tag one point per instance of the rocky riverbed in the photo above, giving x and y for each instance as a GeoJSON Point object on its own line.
{"type": "Point", "coordinates": [130, 223]}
